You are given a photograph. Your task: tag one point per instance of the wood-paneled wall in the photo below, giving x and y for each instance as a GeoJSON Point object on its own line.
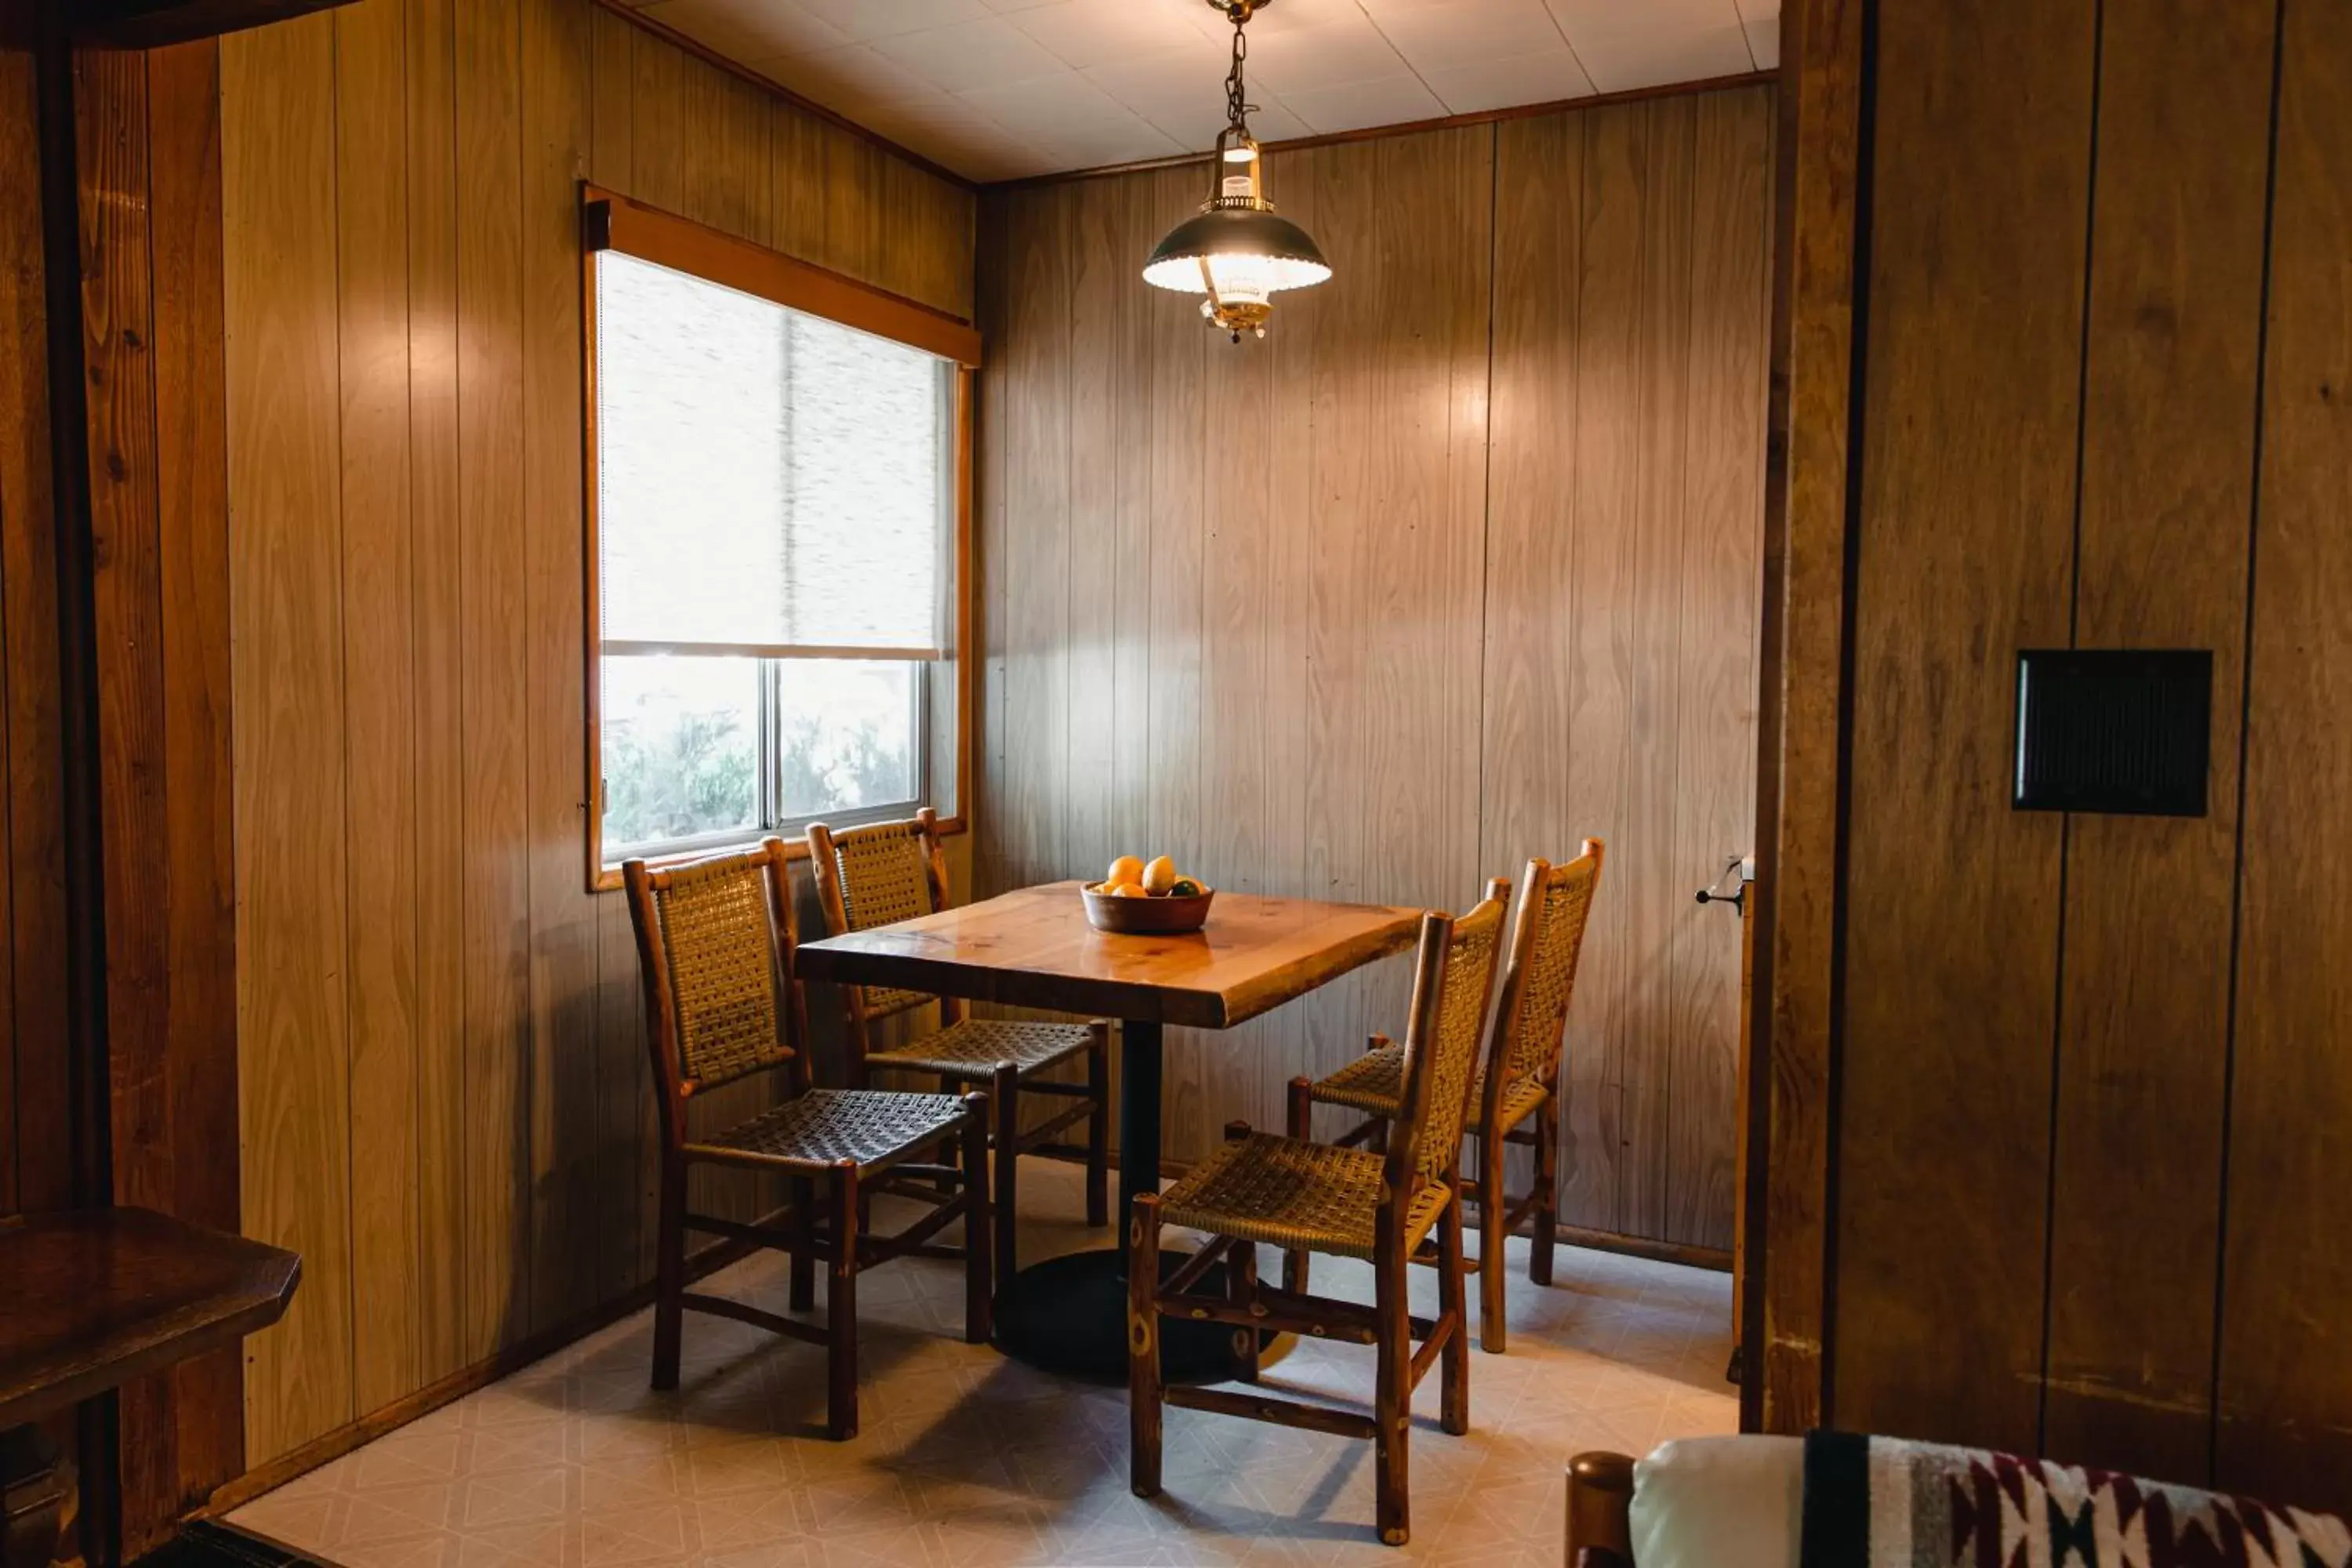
{"type": "Point", "coordinates": [1458, 565]}
{"type": "Point", "coordinates": [2087, 1186]}
{"type": "Point", "coordinates": [445, 1107]}
{"type": "Point", "coordinates": [35, 1164]}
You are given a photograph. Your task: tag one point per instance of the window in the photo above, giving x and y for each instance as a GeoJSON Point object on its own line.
{"type": "Point", "coordinates": [779, 474]}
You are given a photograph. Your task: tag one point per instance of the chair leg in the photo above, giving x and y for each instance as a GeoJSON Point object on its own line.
{"type": "Point", "coordinates": [841, 1308]}
{"type": "Point", "coordinates": [801, 1193]}
{"type": "Point", "coordinates": [1454, 1361]}
{"type": "Point", "coordinates": [1098, 1125]}
{"type": "Point", "coordinates": [669, 1272]}
{"type": "Point", "coordinates": [1392, 1393]}
{"type": "Point", "coordinates": [1547, 1191]}
{"type": "Point", "coordinates": [1143, 1347]}
{"type": "Point", "coordinates": [1004, 1089]}
{"type": "Point", "coordinates": [979, 1239]}
{"type": "Point", "coordinates": [1240, 1289]}
{"type": "Point", "coordinates": [1299, 1124]}
{"type": "Point", "coordinates": [1494, 1208]}
{"type": "Point", "coordinates": [948, 1185]}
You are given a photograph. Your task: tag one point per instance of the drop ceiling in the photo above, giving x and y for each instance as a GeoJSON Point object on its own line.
{"type": "Point", "coordinates": [997, 89]}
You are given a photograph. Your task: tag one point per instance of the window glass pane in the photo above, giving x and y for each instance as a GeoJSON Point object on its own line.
{"type": "Point", "coordinates": [868, 488]}
{"type": "Point", "coordinates": [691, 450]}
{"type": "Point", "coordinates": [681, 749]}
{"type": "Point", "coordinates": [846, 733]}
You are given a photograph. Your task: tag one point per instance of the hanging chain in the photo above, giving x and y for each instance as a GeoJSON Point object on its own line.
{"type": "Point", "coordinates": [1238, 104]}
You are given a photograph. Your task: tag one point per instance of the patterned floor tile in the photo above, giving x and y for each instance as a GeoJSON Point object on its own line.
{"type": "Point", "coordinates": [969, 1460]}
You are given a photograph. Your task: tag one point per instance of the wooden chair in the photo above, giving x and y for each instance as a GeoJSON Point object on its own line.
{"type": "Point", "coordinates": [715, 940]}
{"type": "Point", "coordinates": [1389, 1209]}
{"type": "Point", "coordinates": [1520, 1084]}
{"type": "Point", "coordinates": [869, 877]}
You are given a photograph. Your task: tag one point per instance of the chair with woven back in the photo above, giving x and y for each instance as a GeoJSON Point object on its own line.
{"type": "Point", "coordinates": [1390, 1209]}
{"type": "Point", "coordinates": [715, 942]}
{"type": "Point", "coordinates": [1517, 1097]}
{"type": "Point", "coordinates": [892, 872]}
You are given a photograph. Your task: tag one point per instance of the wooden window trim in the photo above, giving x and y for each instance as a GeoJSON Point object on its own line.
{"type": "Point", "coordinates": [610, 221]}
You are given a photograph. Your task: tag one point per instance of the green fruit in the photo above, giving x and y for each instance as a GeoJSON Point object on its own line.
{"type": "Point", "coordinates": [1184, 888]}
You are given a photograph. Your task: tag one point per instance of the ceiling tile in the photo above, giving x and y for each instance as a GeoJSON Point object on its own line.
{"type": "Point", "coordinates": [749, 30]}
{"type": "Point", "coordinates": [1627, 46]}
{"type": "Point", "coordinates": [838, 77]}
{"type": "Point", "coordinates": [1545, 78]}
{"type": "Point", "coordinates": [1439, 35]}
{"type": "Point", "coordinates": [883, 18]}
{"type": "Point", "coordinates": [1312, 58]}
{"type": "Point", "coordinates": [1288, 16]}
{"type": "Point", "coordinates": [1101, 32]}
{"type": "Point", "coordinates": [1181, 91]}
{"type": "Point", "coordinates": [952, 132]}
{"type": "Point", "coordinates": [1353, 106]}
{"type": "Point", "coordinates": [990, 52]}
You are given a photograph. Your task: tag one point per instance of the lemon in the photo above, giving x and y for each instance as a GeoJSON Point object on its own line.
{"type": "Point", "coordinates": [1160, 875]}
{"type": "Point", "coordinates": [1126, 868]}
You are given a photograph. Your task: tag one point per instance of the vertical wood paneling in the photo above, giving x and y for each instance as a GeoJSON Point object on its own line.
{"type": "Point", "coordinates": [493, 657]}
{"type": "Point", "coordinates": [436, 761]}
{"type": "Point", "coordinates": [278, 163]}
{"type": "Point", "coordinates": [451, 1117]}
{"type": "Point", "coordinates": [33, 1098]}
{"type": "Point", "coordinates": [2167, 475]}
{"type": "Point", "coordinates": [2286, 1362]}
{"type": "Point", "coordinates": [371, 128]}
{"type": "Point", "coordinates": [1305, 649]}
{"type": "Point", "coordinates": [1976, 300]}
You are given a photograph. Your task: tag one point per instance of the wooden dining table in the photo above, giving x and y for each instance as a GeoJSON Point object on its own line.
{"type": "Point", "coordinates": [1034, 947]}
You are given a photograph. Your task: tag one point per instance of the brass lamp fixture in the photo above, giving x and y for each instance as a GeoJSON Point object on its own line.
{"type": "Point", "coordinates": [1236, 249]}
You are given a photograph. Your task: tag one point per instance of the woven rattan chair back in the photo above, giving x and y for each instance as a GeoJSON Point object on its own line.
{"type": "Point", "coordinates": [714, 940]}
{"type": "Point", "coordinates": [877, 876]}
{"type": "Point", "coordinates": [1441, 1035]}
{"type": "Point", "coordinates": [1540, 977]}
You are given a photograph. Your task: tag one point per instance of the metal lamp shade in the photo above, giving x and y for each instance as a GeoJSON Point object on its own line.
{"type": "Point", "coordinates": [1295, 261]}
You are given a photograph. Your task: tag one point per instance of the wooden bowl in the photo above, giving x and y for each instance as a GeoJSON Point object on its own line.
{"type": "Point", "coordinates": [1163, 916]}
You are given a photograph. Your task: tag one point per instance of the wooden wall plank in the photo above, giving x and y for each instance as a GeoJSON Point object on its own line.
{"type": "Point", "coordinates": [33, 1173]}
{"type": "Point", "coordinates": [277, 152]}
{"type": "Point", "coordinates": [2167, 473]}
{"type": "Point", "coordinates": [435, 596]}
{"type": "Point", "coordinates": [2285, 1366]}
{"type": "Point", "coordinates": [493, 654]}
{"type": "Point", "coordinates": [564, 946]}
{"type": "Point", "coordinates": [191, 521]}
{"type": "Point", "coordinates": [371, 128]}
{"type": "Point", "coordinates": [1714, 653]}
{"type": "Point", "coordinates": [1965, 550]}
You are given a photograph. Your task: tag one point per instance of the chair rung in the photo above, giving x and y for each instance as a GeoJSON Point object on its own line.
{"type": "Point", "coordinates": [1053, 1085]}
{"type": "Point", "coordinates": [882, 1249]}
{"type": "Point", "coordinates": [1281, 1411]}
{"type": "Point", "coordinates": [1034, 1138]}
{"type": "Point", "coordinates": [1189, 1273]}
{"type": "Point", "coordinates": [721, 1306]}
{"type": "Point", "coordinates": [1426, 1356]}
{"type": "Point", "coordinates": [752, 1235]}
{"type": "Point", "coordinates": [1359, 1133]}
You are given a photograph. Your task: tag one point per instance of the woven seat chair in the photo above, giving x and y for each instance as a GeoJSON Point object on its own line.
{"type": "Point", "coordinates": [715, 940]}
{"type": "Point", "coordinates": [1516, 1099]}
{"type": "Point", "coordinates": [892, 872]}
{"type": "Point", "coordinates": [1389, 1209]}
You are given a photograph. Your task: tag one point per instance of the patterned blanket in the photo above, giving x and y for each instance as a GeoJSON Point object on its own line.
{"type": "Point", "coordinates": [1878, 1502]}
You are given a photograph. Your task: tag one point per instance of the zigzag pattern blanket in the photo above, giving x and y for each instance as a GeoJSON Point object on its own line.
{"type": "Point", "coordinates": [1878, 1502]}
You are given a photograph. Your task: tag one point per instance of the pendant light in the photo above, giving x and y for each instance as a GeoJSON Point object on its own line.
{"type": "Point", "coordinates": [1237, 250]}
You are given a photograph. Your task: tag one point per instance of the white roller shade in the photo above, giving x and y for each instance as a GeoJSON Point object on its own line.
{"type": "Point", "coordinates": [771, 482]}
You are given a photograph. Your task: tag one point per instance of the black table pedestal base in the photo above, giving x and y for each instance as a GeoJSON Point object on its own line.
{"type": "Point", "coordinates": [1068, 1315]}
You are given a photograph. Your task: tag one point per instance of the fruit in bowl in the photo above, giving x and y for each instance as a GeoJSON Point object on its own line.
{"type": "Point", "coordinates": [1154, 898]}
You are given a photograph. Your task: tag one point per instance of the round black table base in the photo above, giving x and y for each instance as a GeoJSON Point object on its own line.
{"type": "Point", "coordinates": [1068, 1315]}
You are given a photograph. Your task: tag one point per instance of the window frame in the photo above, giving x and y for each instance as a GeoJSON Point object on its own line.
{"type": "Point", "coordinates": [610, 221]}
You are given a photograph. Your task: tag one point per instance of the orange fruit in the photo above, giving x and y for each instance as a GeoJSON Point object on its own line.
{"type": "Point", "coordinates": [1126, 868]}
{"type": "Point", "coordinates": [1129, 891]}
{"type": "Point", "coordinates": [1160, 875]}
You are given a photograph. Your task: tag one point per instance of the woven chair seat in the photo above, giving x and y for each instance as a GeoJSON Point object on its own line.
{"type": "Point", "coordinates": [1286, 1193]}
{"type": "Point", "coordinates": [1374, 1083]}
{"type": "Point", "coordinates": [971, 1048]}
{"type": "Point", "coordinates": [824, 1126]}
